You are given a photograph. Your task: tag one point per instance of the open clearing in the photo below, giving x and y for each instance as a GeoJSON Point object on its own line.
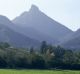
{"type": "Point", "coordinates": [8, 71]}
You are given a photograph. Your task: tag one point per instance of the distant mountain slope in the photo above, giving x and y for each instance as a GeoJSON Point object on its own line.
{"type": "Point", "coordinates": [28, 31]}
{"type": "Point", "coordinates": [73, 41]}
{"type": "Point", "coordinates": [5, 21]}
{"type": "Point", "coordinates": [35, 34]}
{"type": "Point", "coordinates": [16, 39]}
{"type": "Point", "coordinates": [32, 27]}
{"type": "Point", "coordinates": [42, 23]}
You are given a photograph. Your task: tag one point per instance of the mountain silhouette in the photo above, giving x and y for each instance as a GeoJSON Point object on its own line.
{"type": "Point", "coordinates": [43, 24]}
{"type": "Point", "coordinates": [16, 39]}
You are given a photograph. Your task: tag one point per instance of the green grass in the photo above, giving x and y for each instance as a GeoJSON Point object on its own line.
{"type": "Point", "coordinates": [2, 71]}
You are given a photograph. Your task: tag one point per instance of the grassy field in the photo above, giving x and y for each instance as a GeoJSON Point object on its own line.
{"type": "Point", "coordinates": [2, 71]}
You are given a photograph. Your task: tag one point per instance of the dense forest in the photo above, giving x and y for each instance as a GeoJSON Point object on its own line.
{"type": "Point", "coordinates": [45, 57]}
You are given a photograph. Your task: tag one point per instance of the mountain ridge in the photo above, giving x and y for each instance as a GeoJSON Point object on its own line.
{"type": "Point", "coordinates": [16, 39]}
{"type": "Point", "coordinates": [36, 19]}
{"type": "Point", "coordinates": [37, 26]}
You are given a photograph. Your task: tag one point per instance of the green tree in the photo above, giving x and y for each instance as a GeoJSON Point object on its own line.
{"type": "Point", "coordinates": [4, 45]}
{"type": "Point", "coordinates": [43, 48]}
{"type": "Point", "coordinates": [38, 62]}
{"type": "Point", "coordinates": [32, 50]}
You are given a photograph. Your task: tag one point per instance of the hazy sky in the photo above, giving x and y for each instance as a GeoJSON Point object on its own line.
{"type": "Point", "coordinates": [66, 12]}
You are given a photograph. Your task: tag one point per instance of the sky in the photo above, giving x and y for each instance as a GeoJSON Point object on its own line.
{"type": "Point", "coordinates": [67, 12]}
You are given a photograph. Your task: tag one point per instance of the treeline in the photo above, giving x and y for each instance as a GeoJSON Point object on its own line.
{"type": "Point", "coordinates": [46, 57]}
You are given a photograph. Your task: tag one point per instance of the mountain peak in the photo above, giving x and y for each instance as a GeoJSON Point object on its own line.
{"type": "Point", "coordinates": [34, 8]}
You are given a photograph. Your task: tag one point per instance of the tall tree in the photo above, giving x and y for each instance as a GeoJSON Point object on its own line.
{"type": "Point", "coordinates": [43, 48]}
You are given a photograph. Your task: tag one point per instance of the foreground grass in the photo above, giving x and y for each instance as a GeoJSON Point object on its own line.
{"type": "Point", "coordinates": [2, 71]}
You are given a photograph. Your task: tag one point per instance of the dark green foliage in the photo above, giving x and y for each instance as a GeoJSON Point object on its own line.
{"type": "Point", "coordinates": [43, 47]}
{"type": "Point", "coordinates": [32, 50]}
{"type": "Point", "coordinates": [47, 58]}
{"type": "Point", "coordinates": [4, 45]}
{"type": "Point", "coordinates": [38, 62]}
